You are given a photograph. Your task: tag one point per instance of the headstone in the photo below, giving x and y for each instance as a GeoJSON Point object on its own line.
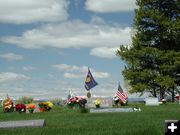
{"type": "Point", "coordinates": [152, 101]}
{"type": "Point", "coordinates": [22, 123]}
{"type": "Point", "coordinates": [108, 110]}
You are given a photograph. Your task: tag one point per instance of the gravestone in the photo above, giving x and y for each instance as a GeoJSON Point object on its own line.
{"type": "Point", "coordinates": [108, 110]}
{"type": "Point", "coordinates": [22, 123]}
{"type": "Point", "coordinates": [152, 101]}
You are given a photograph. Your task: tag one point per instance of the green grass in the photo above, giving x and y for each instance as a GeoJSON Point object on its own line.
{"type": "Point", "coordinates": [71, 122]}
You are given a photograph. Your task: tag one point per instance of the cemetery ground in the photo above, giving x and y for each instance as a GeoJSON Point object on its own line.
{"type": "Point", "coordinates": [61, 120]}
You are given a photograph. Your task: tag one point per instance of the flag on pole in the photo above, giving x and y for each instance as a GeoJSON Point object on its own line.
{"type": "Point", "coordinates": [90, 82]}
{"type": "Point", "coordinates": [121, 94]}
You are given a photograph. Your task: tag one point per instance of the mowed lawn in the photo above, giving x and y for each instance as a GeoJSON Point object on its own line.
{"type": "Point", "coordinates": [62, 121]}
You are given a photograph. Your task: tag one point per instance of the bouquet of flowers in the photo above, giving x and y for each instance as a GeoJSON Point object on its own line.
{"type": "Point", "coordinates": [20, 108]}
{"type": "Point", "coordinates": [76, 102]}
{"type": "Point", "coordinates": [45, 106]}
{"type": "Point", "coordinates": [73, 102]}
{"type": "Point", "coordinates": [8, 105]}
{"type": "Point", "coordinates": [116, 100]}
{"type": "Point", "coordinates": [31, 107]}
{"type": "Point", "coordinates": [97, 103]}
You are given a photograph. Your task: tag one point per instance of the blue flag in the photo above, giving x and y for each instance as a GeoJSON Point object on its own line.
{"type": "Point", "coordinates": [90, 82]}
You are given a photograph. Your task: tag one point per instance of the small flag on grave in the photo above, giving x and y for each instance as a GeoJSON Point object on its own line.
{"type": "Point", "coordinates": [121, 94]}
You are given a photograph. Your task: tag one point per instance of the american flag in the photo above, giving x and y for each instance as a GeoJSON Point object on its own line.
{"type": "Point", "coordinates": [122, 95]}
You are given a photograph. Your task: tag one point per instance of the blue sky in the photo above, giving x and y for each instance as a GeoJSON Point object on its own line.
{"type": "Point", "coordinates": [47, 45]}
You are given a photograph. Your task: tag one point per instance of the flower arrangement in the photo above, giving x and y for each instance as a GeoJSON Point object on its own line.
{"type": "Point", "coordinates": [73, 102]}
{"type": "Point", "coordinates": [97, 103]}
{"type": "Point", "coordinates": [31, 107]}
{"type": "Point", "coordinates": [20, 108]}
{"type": "Point", "coordinates": [76, 102]}
{"type": "Point", "coordinates": [45, 106]}
{"type": "Point", "coordinates": [118, 101]}
{"type": "Point", "coordinates": [8, 105]}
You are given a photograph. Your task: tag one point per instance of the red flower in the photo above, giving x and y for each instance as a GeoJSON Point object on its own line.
{"type": "Point", "coordinates": [20, 108]}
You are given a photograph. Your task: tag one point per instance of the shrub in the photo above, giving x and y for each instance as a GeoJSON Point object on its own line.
{"type": "Point", "coordinates": [84, 110]}
{"type": "Point", "coordinates": [57, 101]}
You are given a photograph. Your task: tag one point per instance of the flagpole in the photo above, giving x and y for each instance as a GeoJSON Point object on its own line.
{"type": "Point", "coordinates": [88, 95]}
{"type": "Point", "coordinates": [89, 84]}
{"type": "Point", "coordinates": [89, 99]}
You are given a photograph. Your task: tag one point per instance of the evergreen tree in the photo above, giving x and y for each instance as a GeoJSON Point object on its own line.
{"type": "Point", "coordinates": [153, 60]}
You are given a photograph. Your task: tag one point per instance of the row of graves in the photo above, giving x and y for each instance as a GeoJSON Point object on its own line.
{"type": "Point", "coordinates": [94, 104]}
{"type": "Point", "coordinates": [72, 102]}
{"type": "Point", "coordinates": [100, 105]}
{"type": "Point", "coordinates": [8, 105]}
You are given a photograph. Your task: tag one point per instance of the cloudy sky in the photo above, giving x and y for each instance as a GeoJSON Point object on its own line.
{"type": "Point", "coordinates": [46, 46]}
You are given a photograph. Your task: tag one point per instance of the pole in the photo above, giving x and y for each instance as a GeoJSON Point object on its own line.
{"type": "Point", "coordinates": [89, 99]}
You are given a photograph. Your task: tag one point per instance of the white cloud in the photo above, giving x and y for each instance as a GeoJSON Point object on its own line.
{"type": "Point", "coordinates": [11, 56]}
{"type": "Point", "coordinates": [28, 68]}
{"type": "Point", "coordinates": [95, 74]}
{"type": "Point", "coordinates": [65, 67]}
{"type": "Point", "coordinates": [72, 75]}
{"type": "Point", "coordinates": [101, 74]}
{"type": "Point", "coordinates": [108, 6]}
{"type": "Point", "coordinates": [72, 34]}
{"type": "Point", "coordinates": [10, 76]}
{"type": "Point", "coordinates": [29, 11]}
{"type": "Point", "coordinates": [70, 68]}
{"type": "Point", "coordinates": [104, 52]}
{"type": "Point", "coordinates": [74, 72]}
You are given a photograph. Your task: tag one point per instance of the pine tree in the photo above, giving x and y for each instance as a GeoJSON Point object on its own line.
{"type": "Point", "coordinates": [153, 60]}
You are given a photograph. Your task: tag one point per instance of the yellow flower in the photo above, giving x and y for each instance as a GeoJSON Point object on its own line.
{"type": "Point", "coordinates": [97, 102]}
{"type": "Point", "coordinates": [50, 104]}
{"type": "Point", "coordinates": [7, 107]}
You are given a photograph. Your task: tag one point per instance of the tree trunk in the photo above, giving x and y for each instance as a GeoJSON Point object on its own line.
{"type": "Point", "coordinates": [173, 94]}
{"type": "Point", "coordinates": [162, 93]}
{"type": "Point", "coordinates": [154, 93]}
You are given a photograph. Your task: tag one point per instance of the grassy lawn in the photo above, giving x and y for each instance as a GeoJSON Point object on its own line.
{"type": "Point", "coordinates": [71, 122]}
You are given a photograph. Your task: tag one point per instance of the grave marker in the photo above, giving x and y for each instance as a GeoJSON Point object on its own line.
{"type": "Point", "coordinates": [108, 110]}
{"type": "Point", "coordinates": [22, 123]}
{"type": "Point", "coordinates": [152, 101]}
